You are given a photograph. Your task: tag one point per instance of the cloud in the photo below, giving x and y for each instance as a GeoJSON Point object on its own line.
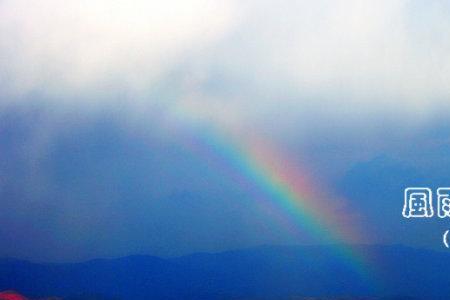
{"type": "Point", "coordinates": [362, 52]}
{"type": "Point", "coordinates": [299, 72]}
{"type": "Point", "coordinates": [362, 49]}
{"type": "Point", "coordinates": [85, 48]}
{"type": "Point", "coordinates": [340, 59]}
{"type": "Point", "coordinates": [276, 68]}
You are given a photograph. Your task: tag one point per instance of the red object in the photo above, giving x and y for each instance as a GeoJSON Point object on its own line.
{"type": "Point", "coordinates": [11, 295]}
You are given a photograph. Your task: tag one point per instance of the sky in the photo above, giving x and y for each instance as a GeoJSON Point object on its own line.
{"type": "Point", "coordinates": [108, 109]}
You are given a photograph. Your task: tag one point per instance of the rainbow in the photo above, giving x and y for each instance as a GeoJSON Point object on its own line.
{"type": "Point", "coordinates": [282, 188]}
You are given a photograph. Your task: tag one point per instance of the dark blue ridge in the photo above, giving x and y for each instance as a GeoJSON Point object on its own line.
{"type": "Point", "coordinates": [266, 272]}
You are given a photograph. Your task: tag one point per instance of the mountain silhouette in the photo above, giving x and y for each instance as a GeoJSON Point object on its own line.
{"type": "Point", "coordinates": [266, 272]}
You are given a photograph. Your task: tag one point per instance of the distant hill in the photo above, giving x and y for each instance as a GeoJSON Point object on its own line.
{"type": "Point", "coordinates": [278, 272]}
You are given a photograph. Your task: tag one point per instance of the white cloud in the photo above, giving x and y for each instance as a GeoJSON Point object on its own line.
{"type": "Point", "coordinates": [333, 57]}
{"type": "Point", "coordinates": [67, 48]}
{"type": "Point", "coordinates": [369, 50]}
{"type": "Point", "coordinates": [355, 62]}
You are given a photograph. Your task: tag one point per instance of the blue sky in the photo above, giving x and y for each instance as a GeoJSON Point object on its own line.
{"type": "Point", "coordinates": [95, 97]}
